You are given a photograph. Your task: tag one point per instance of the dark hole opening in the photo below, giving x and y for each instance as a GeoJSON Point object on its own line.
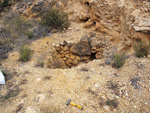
{"type": "Point", "coordinates": [87, 3]}
{"type": "Point", "coordinates": [94, 23]}
{"type": "Point", "coordinates": [93, 56]}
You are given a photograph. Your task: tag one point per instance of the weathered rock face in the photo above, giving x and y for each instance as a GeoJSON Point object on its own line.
{"type": "Point", "coordinates": [142, 24]}
{"type": "Point", "coordinates": [87, 49]}
{"type": "Point", "coordinates": [120, 20]}
{"type": "Point", "coordinates": [81, 48]}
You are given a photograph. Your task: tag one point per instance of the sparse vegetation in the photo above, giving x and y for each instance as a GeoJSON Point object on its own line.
{"type": "Point", "coordinates": [29, 34]}
{"type": "Point", "coordinates": [25, 53]}
{"type": "Point", "coordinates": [40, 63]}
{"type": "Point", "coordinates": [112, 103]}
{"type": "Point", "coordinates": [5, 42]}
{"type": "Point", "coordinates": [16, 25]}
{"type": "Point", "coordinates": [141, 49]}
{"type": "Point", "coordinates": [9, 94]}
{"type": "Point", "coordinates": [56, 19]}
{"type": "Point", "coordinates": [3, 4]}
{"type": "Point", "coordinates": [118, 60]}
{"type": "Point", "coordinates": [5, 73]}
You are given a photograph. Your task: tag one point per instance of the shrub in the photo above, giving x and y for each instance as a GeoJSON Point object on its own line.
{"type": "Point", "coordinates": [29, 34]}
{"type": "Point", "coordinates": [25, 54]}
{"type": "Point", "coordinates": [118, 60]}
{"type": "Point", "coordinates": [40, 63]}
{"type": "Point", "coordinates": [55, 18]}
{"type": "Point", "coordinates": [5, 3]}
{"type": "Point", "coordinates": [141, 49]}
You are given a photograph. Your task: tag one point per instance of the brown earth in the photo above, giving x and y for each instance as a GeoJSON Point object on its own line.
{"type": "Point", "coordinates": [93, 84]}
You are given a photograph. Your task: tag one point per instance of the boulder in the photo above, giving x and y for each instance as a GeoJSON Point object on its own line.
{"type": "Point", "coordinates": [142, 24]}
{"type": "Point", "coordinates": [81, 48]}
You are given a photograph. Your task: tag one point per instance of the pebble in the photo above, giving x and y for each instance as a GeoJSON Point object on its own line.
{"type": "Point", "coordinates": [146, 103]}
{"type": "Point", "coordinates": [40, 98]}
{"type": "Point", "coordinates": [38, 80]}
{"type": "Point", "coordinates": [135, 106]}
{"type": "Point", "coordinates": [107, 108]}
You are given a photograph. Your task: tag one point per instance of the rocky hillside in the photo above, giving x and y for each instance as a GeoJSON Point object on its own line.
{"type": "Point", "coordinates": [100, 59]}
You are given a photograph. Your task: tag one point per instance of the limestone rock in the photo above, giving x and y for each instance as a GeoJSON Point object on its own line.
{"type": "Point", "coordinates": [40, 98]}
{"type": "Point", "coordinates": [65, 48]}
{"type": "Point", "coordinates": [142, 24]}
{"type": "Point", "coordinates": [84, 16]}
{"type": "Point", "coordinates": [81, 48]}
{"type": "Point", "coordinates": [98, 55]}
{"type": "Point", "coordinates": [94, 42]}
{"type": "Point", "coordinates": [56, 61]}
{"type": "Point", "coordinates": [56, 44]}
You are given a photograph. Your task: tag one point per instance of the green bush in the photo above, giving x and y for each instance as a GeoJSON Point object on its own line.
{"type": "Point", "coordinates": [25, 54]}
{"type": "Point", "coordinates": [118, 60]}
{"type": "Point", "coordinates": [55, 18]}
{"type": "Point", "coordinates": [141, 49]}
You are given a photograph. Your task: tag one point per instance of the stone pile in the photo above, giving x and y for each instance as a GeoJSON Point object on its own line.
{"type": "Point", "coordinates": [85, 50]}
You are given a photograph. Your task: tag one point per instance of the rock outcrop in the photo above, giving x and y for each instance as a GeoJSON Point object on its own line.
{"type": "Point", "coordinates": [120, 20]}
{"type": "Point", "coordinates": [142, 24]}
{"type": "Point", "coordinates": [87, 49]}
